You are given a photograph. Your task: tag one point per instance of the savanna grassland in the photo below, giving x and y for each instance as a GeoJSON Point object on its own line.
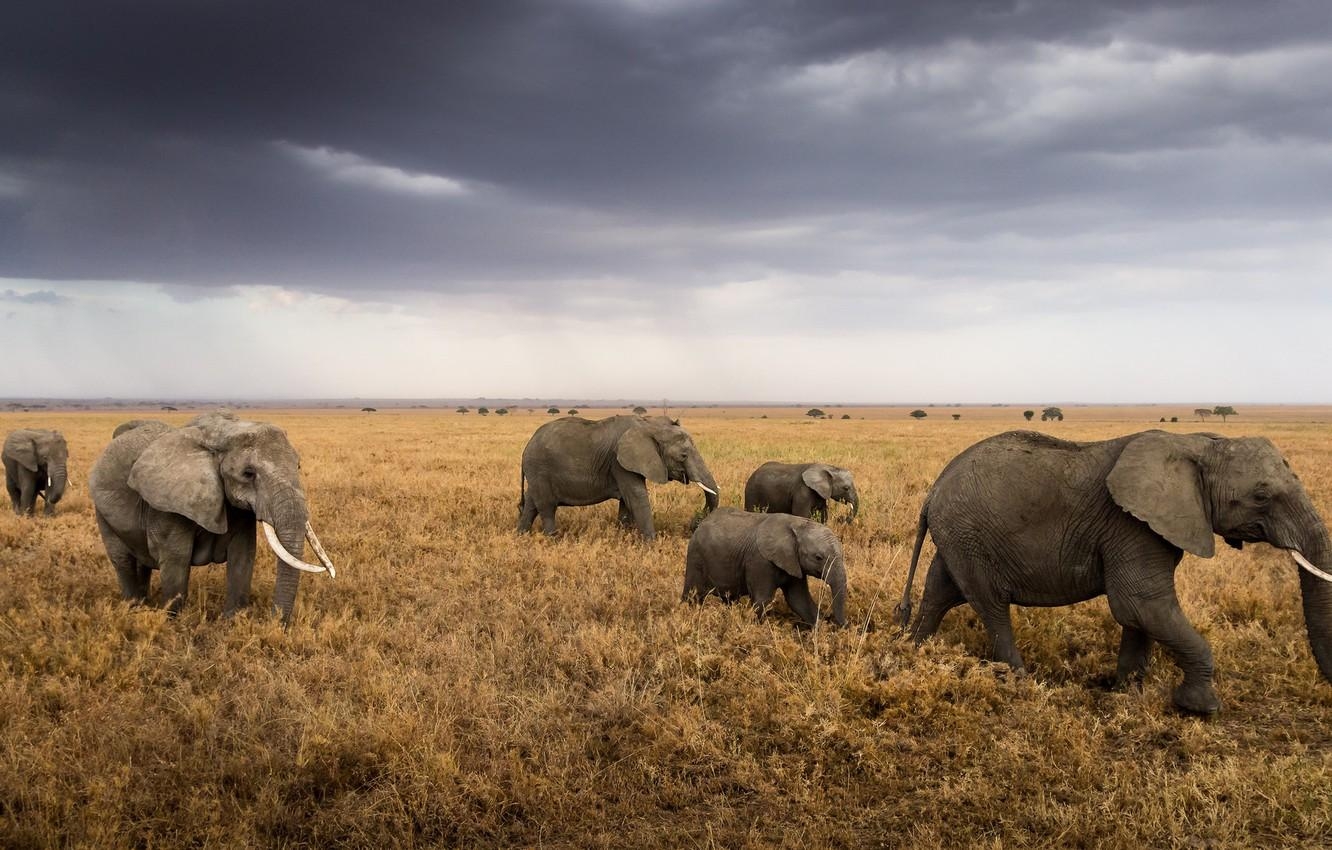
{"type": "Point", "coordinates": [457, 685]}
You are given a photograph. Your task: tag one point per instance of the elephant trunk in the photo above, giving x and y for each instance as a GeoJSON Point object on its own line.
{"type": "Point", "coordinates": [289, 518]}
{"type": "Point", "coordinates": [699, 474]}
{"type": "Point", "coordinates": [59, 478]}
{"type": "Point", "coordinates": [855, 504]}
{"type": "Point", "coordinates": [1317, 593]}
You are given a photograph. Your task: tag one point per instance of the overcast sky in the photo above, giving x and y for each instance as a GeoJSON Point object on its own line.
{"type": "Point", "coordinates": [998, 200]}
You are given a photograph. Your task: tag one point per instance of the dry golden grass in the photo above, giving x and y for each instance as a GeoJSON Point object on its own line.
{"type": "Point", "coordinates": [460, 686]}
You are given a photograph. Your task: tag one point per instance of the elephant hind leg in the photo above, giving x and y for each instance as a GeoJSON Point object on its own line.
{"type": "Point", "coordinates": [941, 595]}
{"type": "Point", "coordinates": [527, 515]}
{"type": "Point", "coordinates": [547, 519]}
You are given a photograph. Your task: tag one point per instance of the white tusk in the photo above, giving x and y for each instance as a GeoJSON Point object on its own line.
{"type": "Point", "coordinates": [319, 550]}
{"type": "Point", "coordinates": [706, 488]}
{"type": "Point", "coordinates": [287, 557]}
{"type": "Point", "coordinates": [1304, 562]}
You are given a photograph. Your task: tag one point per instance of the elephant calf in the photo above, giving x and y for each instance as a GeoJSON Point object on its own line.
{"type": "Point", "coordinates": [735, 554]}
{"type": "Point", "coordinates": [802, 489]}
{"type": "Point", "coordinates": [35, 463]}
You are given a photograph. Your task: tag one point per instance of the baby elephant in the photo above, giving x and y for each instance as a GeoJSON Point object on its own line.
{"type": "Point", "coordinates": [734, 554]}
{"type": "Point", "coordinates": [802, 489]}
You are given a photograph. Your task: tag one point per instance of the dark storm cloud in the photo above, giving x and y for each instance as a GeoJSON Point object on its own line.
{"type": "Point", "coordinates": [456, 146]}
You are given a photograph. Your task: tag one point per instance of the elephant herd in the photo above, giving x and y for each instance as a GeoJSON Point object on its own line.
{"type": "Point", "coordinates": [1019, 518]}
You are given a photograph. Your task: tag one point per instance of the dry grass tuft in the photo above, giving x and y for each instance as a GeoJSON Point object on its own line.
{"type": "Point", "coordinates": [460, 686]}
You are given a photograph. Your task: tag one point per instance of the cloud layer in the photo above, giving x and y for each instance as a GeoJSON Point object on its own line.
{"type": "Point", "coordinates": [737, 174]}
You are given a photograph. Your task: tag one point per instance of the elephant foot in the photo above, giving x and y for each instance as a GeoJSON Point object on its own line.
{"type": "Point", "coordinates": [1197, 698]}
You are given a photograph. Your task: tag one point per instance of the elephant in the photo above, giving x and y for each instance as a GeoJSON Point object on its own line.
{"type": "Point", "coordinates": [36, 461]}
{"type": "Point", "coordinates": [174, 498]}
{"type": "Point", "coordinates": [1023, 518]}
{"type": "Point", "coordinates": [734, 553]}
{"type": "Point", "coordinates": [135, 423]}
{"type": "Point", "coordinates": [802, 489]}
{"type": "Point", "coordinates": [575, 461]}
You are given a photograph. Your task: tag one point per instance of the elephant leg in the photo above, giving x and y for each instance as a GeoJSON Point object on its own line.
{"type": "Point", "coordinates": [941, 595]}
{"type": "Point", "coordinates": [695, 582]}
{"type": "Point", "coordinates": [761, 593]}
{"type": "Point", "coordinates": [240, 568]}
{"type": "Point", "coordinates": [1151, 607]}
{"type": "Point", "coordinates": [527, 514]}
{"type": "Point", "coordinates": [635, 497]}
{"type": "Point", "coordinates": [819, 509]}
{"type": "Point", "coordinates": [1135, 649]}
{"type": "Point", "coordinates": [27, 496]}
{"type": "Point", "coordinates": [800, 601]}
{"type": "Point", "coordinates": [547, 519]}
{"type": "Point", "coordinates": [13, 489]}
{"type": "Point", "coordinates": [998, 620]}
{"type": "Point", "coordinates": [625, 516]}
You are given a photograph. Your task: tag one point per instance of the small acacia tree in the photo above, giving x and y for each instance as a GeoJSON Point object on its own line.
{"type": "Point", "coordinates": [956, 416]}
{"type": "Point", "coordinates": [1052, 413]}
{"type": "Point", "coordinates": [1027, 414]}
{"type": "Point", "coordinates": [460, 409]}
{"type": "Point", "coordinates": [483, 410]}
{"type": "Point", "coordinates": [503, 411]}
{"type": "Point", "coordinates": [918, 414]}
{"type": "Point", "coordinates": [573, 412]}
{"type": "Point", "coordinates": [640, 410]}
{"type": "Point", "coordinates": [1224, 410]}
{"type": "Point", "coordinates": [814, 413]}
{"type": "Point", "coordinates": [1202, 413]}
{"type": "Point", "coordinates": [552, 410]}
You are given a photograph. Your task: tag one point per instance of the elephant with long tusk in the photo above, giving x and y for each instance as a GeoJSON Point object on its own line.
{"type": "Point", "coordinates": [1025, 519]}
{"type": "Point", "coordinates": [575, 461]}
{"type": "Point", "coordinates": [174, 498]}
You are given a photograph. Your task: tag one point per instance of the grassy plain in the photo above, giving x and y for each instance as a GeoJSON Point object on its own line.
{"type": "Point", "coordinates": [459, 686]}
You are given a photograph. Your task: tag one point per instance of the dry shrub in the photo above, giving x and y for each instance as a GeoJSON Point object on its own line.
{"type": "Point", "coordinates": [461, 686]}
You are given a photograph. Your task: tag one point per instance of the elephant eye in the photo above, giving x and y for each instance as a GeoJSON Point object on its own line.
{"type": "Point", "coordinates": [1261, 496]}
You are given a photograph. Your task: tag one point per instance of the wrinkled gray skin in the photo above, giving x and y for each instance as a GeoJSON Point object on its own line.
{"type": "Point", "coordinates": [135, 423]}
{"type": "Point", "coordinates": [575, 461]}
{"type": "Point", "coordinates": [1025, 519]}
{"type": "Point", "coordinates": [36, 461]}
{"type": "Point", "coordinates": [734, 553]}
{"type": "Point", "coordinates": [174, 498]}
{"type": "Point", "coordinates": [802, 489]}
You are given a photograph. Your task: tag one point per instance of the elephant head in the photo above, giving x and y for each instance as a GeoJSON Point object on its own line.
{"type": "Point", "coordinates": [33, 449]}
{"type": "Point", "coordinates": [801, 548]}
{"type": "Point", "coordinates": [217, 461]}
{"type": "Point", "coordinates": [832, 482]}
{"type": "Point", "coordinates": [1188, 486]}
{"type": "Point", "coordinates": [658, 449]}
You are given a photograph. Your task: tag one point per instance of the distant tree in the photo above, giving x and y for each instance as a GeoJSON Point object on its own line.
{"type": "Point", "coordinates": [483, 411]}
{"type": "Point", "coordinates": [1052, 413]}
{"type": "Point", "coordinates": [1202, 413]}
{"type": "Point", "coordinates": [461, 409]}
{"type": "Point", "coordinates": [168, 407]}
{"type": "Point", "coordinates": [764, 416]}
{"type": "Point", "coordinates": [1224, 410]}
{"type": "Point", "coordinates": [367, 410]}
{"type": "Point", "coordinates": [573, 412]}
{"type": "Point", "coordinates": [1027, 414]}
{"type": "Point", "coordinates": [917, 414]}
{"type": "Point", "coordinates": [846, 416]}
{"type": "Point", "coordinates": [1174, 419]}
{"type": "Point", "coordinates": [814, 413]}
{"type": "Point", "coordinates": [552, 410]}
{"type": "Point", "coordinates": [956, 416]}
{"type": "Point", "coordinates": [503, 411]}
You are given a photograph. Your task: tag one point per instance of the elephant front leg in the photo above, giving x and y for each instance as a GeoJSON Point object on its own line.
{"type": "Point", "coordinates": [14, 493]}
{"type": "Point", "coordinates": [240, 565]}
{"type": "Point", "coordinates": [1135, 649]}
{"type": "Point", "coordinates": [172, 550]}
{"type": "Point", "coordinates": [1148, 604]}
{"type": "Point", "coordinates": [801, 602]}
{"type": "Point", "coordinates": [27, 496]}
{"type": "Point", "coordinates": [634, 496]}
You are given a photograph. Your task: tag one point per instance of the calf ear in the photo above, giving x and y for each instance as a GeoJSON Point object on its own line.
{"type": "Point", "coordinates": [1158, 479]}
{"type": "Point", "coordinates": [778, 543]}
{"type": "Point", "coordinates": [177, 474]}
{"type": "Point", "coordinates": [819, 479]}
{"type": "Point", "coordinates": [22, 450]}
{"type": "Point", "coordinates": [637, 452]}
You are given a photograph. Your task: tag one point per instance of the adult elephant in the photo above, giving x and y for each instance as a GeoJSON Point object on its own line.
{"type": "Point", "coordinates": [801, 489]}
{"type": "Point", "coordinates": [36, 462]}
{"type": "Point", "coordinates": [131, 424]}
{"type": "Point", "coordinates": [734, 554]}
{"type": "Point", "coordinates": [575, 461]}
{"type": "Point", "coordinates": [175, 498]}
{"type": "Point", "coordinates": [1023, 518]}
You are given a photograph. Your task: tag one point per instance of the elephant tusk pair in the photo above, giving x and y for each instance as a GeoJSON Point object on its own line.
{"type": "Point", "coordinates": [706, 488]}
{"type": "Point", "coordinates": [291, 560]}
{"type": "Point", "coordinates": [1304, 562]}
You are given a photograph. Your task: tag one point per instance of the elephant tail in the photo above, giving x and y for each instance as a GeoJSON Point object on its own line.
{"type": "Point", "coordinates": [522, 489]}
{"type": "Point", "coordinates": [903, 611]}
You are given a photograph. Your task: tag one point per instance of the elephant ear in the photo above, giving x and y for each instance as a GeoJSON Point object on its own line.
{"type": "Point", "coordinates": [819, 479]}
{"type": "Point", "coordinates": [177, 474]}
{"type": "Point", "coordinates": [777, 541]}
{"type": "Point", "coordinates": [1158, 479]}
{"type": "Point", "coordinates": [637, 452]}
{"type": "Point", "coordinates": [23, 450]}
